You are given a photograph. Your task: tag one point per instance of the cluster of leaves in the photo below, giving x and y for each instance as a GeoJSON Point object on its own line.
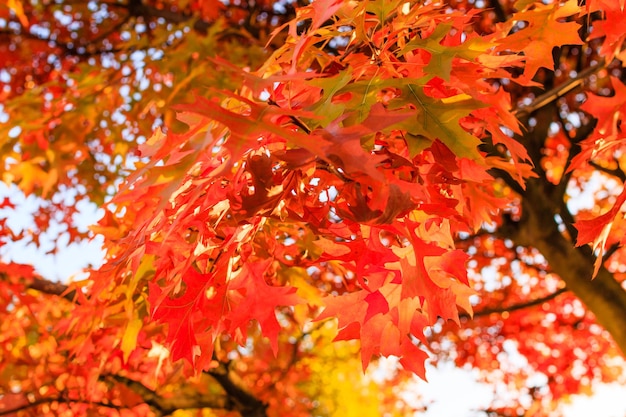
{"type": "Point", "coordinates": [266, 166]}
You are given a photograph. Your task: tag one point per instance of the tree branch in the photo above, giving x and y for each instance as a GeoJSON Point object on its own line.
{"type": "Point", "coordinates": [42, 401]}
{"type": "Point", "coordinates": [147, 395]}
{"type": "Point", "coordinates": [46, 287]}
{"type": "Point", "coordinates": [563, 210]}
{"type": "Point", "coordinates": [138, 9]}
{"type": "Point", "coordinates": [618, 173]}
{"type": "Point", "coordinates": [603, 295]}
{"type": "Point", "coordinates": [520, 306]}
{"type": "Point", "coordinates": [498, 10]}
{"type": "Point", "coordinates": [77, 51]}
{"type": "Point", "coordinates": [165, 406]}
{"type": "Point", "coordinates": [610, 251]}
{"type": "Point", "coordinates": [558, 91]}
{"type": "Point", "coordinates": [53, 288]}
{"type": "Point", "coordinates": [244, 402]}
{"type": "Point", "coordinates": [507, 178]}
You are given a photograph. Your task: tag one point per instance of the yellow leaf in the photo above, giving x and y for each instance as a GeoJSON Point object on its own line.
{"type": "Point", "coordinates": [17, 8]}
{"type": "Point", "coordinates": [299, 279]}
{"type": "Point", "coordinates": [456, 99]}
{"type": "Point", "coordinates": [129, 341]}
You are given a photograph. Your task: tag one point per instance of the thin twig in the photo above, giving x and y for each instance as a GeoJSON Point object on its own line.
{"type": "Point", "coordinates": [520, 306]}
{"type": "Point", "coordinates": [610, 251]}
{"type": "Point", "coordinates": [616, 172]}
{"type": "Point", "coordinates": [558, 91]}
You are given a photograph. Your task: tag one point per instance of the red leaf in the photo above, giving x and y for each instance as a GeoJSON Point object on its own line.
{"type": "Point", "coordinates": [597, 230]}
{"type": "Point", "coordinates": [376, 304]}
{"type": "Point", "coordinates": [258, 300]}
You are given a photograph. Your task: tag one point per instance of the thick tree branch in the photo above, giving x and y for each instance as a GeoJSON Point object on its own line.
{"type": "Point", "coordinates": [53, 288]}
{"type": "Point", "coordinates": [244, 402]}
{"type": "Point", "coordinates": [183, 400]}
{"type": "Point", "coordinates": [148, 396]}
{"type": "Point", "coordinates": [46, 287]}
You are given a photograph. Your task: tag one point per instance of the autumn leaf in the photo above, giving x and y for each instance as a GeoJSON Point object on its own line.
{"type": "Point", "coordinates": [287, 193]}
{"type": "Point", "coordinates": [596, 231]}
{"type": "Point", "coordinates": [439, 119]}
{"type": "Point", "coordinates": [259, 301]}
{"type": "Point", "coordinates": [607, 109]}
{"type": "Point", "coordinates": [542, 32]}
{"type": "Point", "coordinates": [16, 7]}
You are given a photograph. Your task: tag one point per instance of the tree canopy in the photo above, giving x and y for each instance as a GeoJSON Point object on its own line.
{"type": "Point", "coordinates": [291, 190]}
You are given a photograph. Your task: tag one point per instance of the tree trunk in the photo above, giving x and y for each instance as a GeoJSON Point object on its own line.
{"type": "Point", "coordinates": [603, 296]}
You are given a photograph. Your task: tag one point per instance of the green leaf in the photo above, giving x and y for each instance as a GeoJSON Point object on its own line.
{"type": "Point", "coordinates": [439, 119]}
{"type": "Point", "coordinates": [440, 63]}
{"type": "Point", "coordinates": [325, 108]}
{"type": "Point", "coordinates": [383, 8]}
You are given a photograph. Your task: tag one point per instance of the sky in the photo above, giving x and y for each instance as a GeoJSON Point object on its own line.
{"type": "Point", "coordinates": [70, 259]}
